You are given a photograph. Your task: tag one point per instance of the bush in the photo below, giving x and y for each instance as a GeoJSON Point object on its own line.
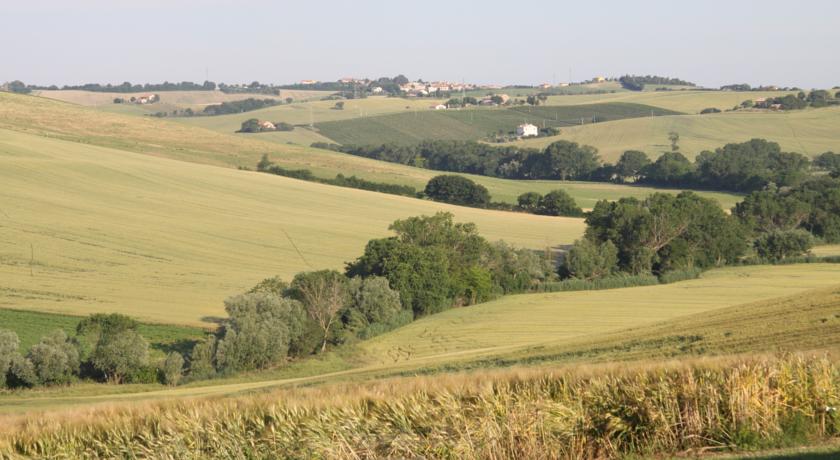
{"type": "Point", "coordinates": [171, 369]}
{"type": "Point", "coordinates": [558, 203]}
{"type": "Point", "coordinates": [709, 110]}
{"type": "Point", "coordinates": [457, 190]}
{"type": "Point", "coordinates": [588, 260]}
{"type": "Point", "coordinates": [55, 358]}
{"type": "Point", "coordinates": [119, 355]}
{"type": "Point", "coordinates": [529, 201]}
{"type": "Point", "coordinates": [257, 332]}
{"type": "Point", "coordinates": [780, 244]}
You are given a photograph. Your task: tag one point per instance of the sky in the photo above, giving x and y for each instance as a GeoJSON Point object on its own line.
{"type": "Point", "coordinates": [710, 42]}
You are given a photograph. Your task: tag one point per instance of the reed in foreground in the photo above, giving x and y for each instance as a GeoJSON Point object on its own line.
{"type": "Point", "coordinates": [612, 413]}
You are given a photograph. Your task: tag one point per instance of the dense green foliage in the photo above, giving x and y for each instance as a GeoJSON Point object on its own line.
{"type": "Point", "coordinates": [457, 190]}
{"type": "Point", "coordinates": [127, 87]}
{"type": "Point", "coordinates": [245, 105]}
{"type": "Point", "coordinates": [638, 82]}
{"type": "Point", "coordinates": [435, 263]}
{"type": "Point", "coordinates": [741, 167]}
{"type": "Point", "coordinates": [554, 203]}
{"type": "Point", "coordinates": [659, 234]}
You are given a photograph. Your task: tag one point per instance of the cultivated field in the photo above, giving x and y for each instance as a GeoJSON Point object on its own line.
{"type": "Point", "coordinates": [92, 229]}
{"type": "Point", "coordinates": [195, 100]}
{"type": "Point", "coordinates": [809, 132]}
{"type": "Point", "coordinates": [473, 124]}
{"type": "Point", "coordinates": [731, 310]}
{"type": "Point", "coordinates": [549, 319]}
{"type": "Point", "coordinates": [165, 138]}
{"type": "Point", "coordinates": [686, 101]}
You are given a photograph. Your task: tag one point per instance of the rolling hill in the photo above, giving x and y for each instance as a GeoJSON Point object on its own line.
{"type": "Point", "coordinates": [93, 229]}
{"type": "Point", "coordinates": [473, 124]}
{"type": "Point", "coordinates": [809, 132]}
{"type": "Point", "coordinates": [169, 139]}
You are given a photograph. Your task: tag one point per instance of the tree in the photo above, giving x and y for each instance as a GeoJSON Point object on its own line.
{"type": "Point", "coordinates": [339, 105]}
{"type": "Point", "coordinates": [589, 260]}
{"type": "Point", "coordinates": [257, 333]}
{"type": "Point", "coordinates": [117, 356]}
{"type": "Point", "coordinates": [709, 110]}
{"type": "Point", "coordinates": [289, 100]}
{"type": "Point", "coordinates": [264, 163]}
{"type": "Point", "coordinates": [55, 358]}
{"type": "Point", "coordinates": [529, 201]}
{"type": "Point", "coordinates": [558, 203]}
{"type": "Point", "coordinates": [18, 86]}
{"type": "Point", "coordinates": [631, 164]}
{"type": "Point", "coordinates": [251, 125]}
{"type": "Point", "coordinates": [202, 363]}
{"type": "Point", "coordinates": [781, 244]}
{"type": "Point", "coordinates": [172, 368]}
{"type": "Point", "coordinates": [91, 329]}
{"type": "Point", "coordinates": [568, 160]}
{"type": "Point", "coordinates": [323, 294]}
{"type": "Point", "coordinates": [828, 161]}
{"type": "Point", "coordinates": [674, 139]}
{"type": "Point", "coordinates": [457, 190]}
{"type": "Point", "coordinates": [9, 344]}
{"type": "Point", "coordinates": [374, 307]}
{"type": "Point", "coordinates": [672, 168]}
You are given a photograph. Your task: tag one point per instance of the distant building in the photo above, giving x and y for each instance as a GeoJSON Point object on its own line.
{"type": "Point", "coordinates": [527, 130]}
{"type": "Point", "coordinates": [377, 90]}
{"type": "Point", "coordinates": [267, 125]}
{"type": "Point", "coordinates": [308, 82]}
{"type": "Point", "coordinates": [439, 107]}
{"type": "Point", "coordinates": [599, 79]}
{"type": "Point", "coordinates": [545, 86]}
{"type": "Point", "coordinates": [505, 98]}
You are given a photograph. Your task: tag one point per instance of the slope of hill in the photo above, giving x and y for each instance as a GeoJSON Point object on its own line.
{"type": "Point", "coordinates": [92, 229]}
{"type": "Point", "coordinates": [686, 101]}
{"type": "Point", "coordinates": [731, 310]}
{"type": "Point", "coordinates": [527, 320]}
{"type": "Point", "coordinates": [165, 138]}
{"type": "Point", "coordinates": [195, 100]}
{"type": "Point", "coordinates": [473, 124]}
{"type": "Point", "coordinates": [809, 132]}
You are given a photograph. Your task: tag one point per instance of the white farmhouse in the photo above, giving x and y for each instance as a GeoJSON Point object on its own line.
{"type": "Point", "coordinates": [527, 130]}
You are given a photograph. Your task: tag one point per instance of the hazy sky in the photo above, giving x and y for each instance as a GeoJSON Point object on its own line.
{"type": "Point", "coordinates": [789, 43]}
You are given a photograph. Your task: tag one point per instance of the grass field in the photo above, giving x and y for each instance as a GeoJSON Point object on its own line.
{"type": "Point", "coordinates": [473, 124]}
{"type": "Point", "coordinates": [809, 132]}
{"type": "Point", "coordinates": [89, 229]}
{"type": "Point", "coordinates": [165, 138]}
{"type": "Point", "coordinates": [195, 100]}
{"type": "Point", "coordinates": [545, 319]}
{"type": "Point", "coordinates": [761, 309]}
{"type": "Point", "coordinates": [687, 101]}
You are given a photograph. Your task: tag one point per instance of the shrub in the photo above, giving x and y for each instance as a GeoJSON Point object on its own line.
{"type": "Point", "coordinates": [9, 344]}
{"type": "Point", "coordinates": [529, 201]}
{"type": "Point", "coordinates": [257, 332]}
{"type": "Point", "coordinates": [709, 110]}
{"type": "Point", "coordinates": [118, 355]}
{"type": "Point", "coordinates": [172, 368]}
{"type": "Point", "coordinates": [55, 358]}
{"type": "Point", "coordinates": [588, 260]}
{"type": "Point", "coordinates": [558, 203]}
{"type": "Point", "coordinates": [781, 244]}
{"type": "Point", "coordinates": [457, 190]}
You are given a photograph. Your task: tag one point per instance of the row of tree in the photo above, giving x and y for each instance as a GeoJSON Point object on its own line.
{"type": "Point", "coordinates": [244, 105]}
{"type": "Point", "coordinates": [737, 167]}
{"type": "Point", "coordinates": [666, 233]}
{"type": "Point", "coordinates": [105, 348]}
{"type": "Point", "coordinates": [638, 82]}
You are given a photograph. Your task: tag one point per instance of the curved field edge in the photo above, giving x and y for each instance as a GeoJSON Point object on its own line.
{"type": "Point", "coordinates": [790, 315]}
{"type": "Point", "coordinates": [87, 229]}
{"type": "Point", "coordinates": [171, 139]}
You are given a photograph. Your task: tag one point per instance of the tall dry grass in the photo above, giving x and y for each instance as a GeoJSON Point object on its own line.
{"type": "Point", "coordinates": [598, 412]}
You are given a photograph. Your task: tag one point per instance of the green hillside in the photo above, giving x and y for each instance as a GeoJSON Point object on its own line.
{"type": "Point", "coordinates": [811, 132]}
{"type": "Point", "coordinates": [473, 124]}
{"type": "Point", "coordinates": [171, 139]}
{"type": "Point", "coordinates": [90, 229]}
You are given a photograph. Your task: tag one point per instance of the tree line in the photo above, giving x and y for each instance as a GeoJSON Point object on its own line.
{"type": "Point", "coordinates": [739, 167]}
{"type": "Point", "coordinates": [667, 234]}
{"type": "Point", "coordinates": [104, 348]}
{"type": "Point", "coordinates": [638, 82]}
